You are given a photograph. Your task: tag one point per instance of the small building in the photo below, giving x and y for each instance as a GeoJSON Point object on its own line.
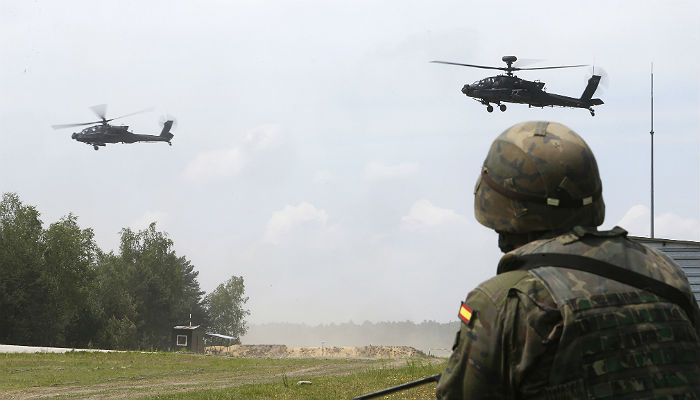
{"type": "Point", "coordinates": [684, 252]}
{"type": "Point", "coordinates": [188, 338]}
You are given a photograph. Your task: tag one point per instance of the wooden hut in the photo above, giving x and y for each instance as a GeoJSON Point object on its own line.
{"type": "Point", "coordinates": [188, 338]}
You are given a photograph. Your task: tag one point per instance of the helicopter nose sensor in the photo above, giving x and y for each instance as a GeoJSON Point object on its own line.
{"type": "Point", "coordinates": [74, 135]}
{"type": "Point", "coordinates": [466, 89]}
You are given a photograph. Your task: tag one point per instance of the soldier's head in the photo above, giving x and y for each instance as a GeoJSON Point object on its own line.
{"type": "Point", "coordinates": [538, 178]}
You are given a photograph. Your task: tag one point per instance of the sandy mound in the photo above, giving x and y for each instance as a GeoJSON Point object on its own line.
{"type": "Point", "coordinates": [282, 351]}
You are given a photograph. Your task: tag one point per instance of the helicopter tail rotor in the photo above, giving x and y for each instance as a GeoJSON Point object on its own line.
{"type": "Point", "coordinates": [604, 78]}
{"type": "Point", "coordinates": [167, 122]}
{"type": "Point", "coordinates": [167, 118]}
{"type": "Point", "coordinates": [166, 129]}
{"type": "Point", "coordinates": [590, 88]}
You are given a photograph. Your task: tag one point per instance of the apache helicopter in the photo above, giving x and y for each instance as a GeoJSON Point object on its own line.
{"type": "Point", "coordinates": [509, 88]}
{"type": "Point", "coordinates": [100, 135]}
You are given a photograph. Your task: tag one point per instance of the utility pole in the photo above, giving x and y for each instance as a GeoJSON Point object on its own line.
{"type": "Point", "coordinates": [651, 133]}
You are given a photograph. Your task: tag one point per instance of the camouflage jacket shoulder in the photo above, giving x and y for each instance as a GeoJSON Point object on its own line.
{"type": "Point", "coordinates": [497, 289]}
{"type": "Point", "coordinates": [611, 246]}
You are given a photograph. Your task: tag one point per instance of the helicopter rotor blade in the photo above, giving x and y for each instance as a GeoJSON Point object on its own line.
{"type": "Point", "coordinates": [469, 65]}
{"type": "Point", "coordinates": [555, 67]}
{"type": "Point", "coordinates": [100, 110]}
{"type": "Point", "coordinates": [61, 126]}
{"type": "Point", "coordinates": [523, 62]}
{"type": "Point", "coordinates": [130, 114]}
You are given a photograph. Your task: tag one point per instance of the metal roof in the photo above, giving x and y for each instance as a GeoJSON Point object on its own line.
{"type": "Point", "coordinates": [186, 327]}
{"type": "Point", "coordinates": [684, 252]}
{"type": "Point", "coordinates": [221, 336]}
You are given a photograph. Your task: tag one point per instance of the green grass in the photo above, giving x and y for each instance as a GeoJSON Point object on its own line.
{"type": "Point", "coordinates": [337, 387]}
{"type": "Point", "coordinates": [185, 376]}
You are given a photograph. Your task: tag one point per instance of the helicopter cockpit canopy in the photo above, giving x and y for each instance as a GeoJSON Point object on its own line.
{"type": "Point", "coordinates": [495, 82]}
{"type": "Point", "coordinates": [486, 82]}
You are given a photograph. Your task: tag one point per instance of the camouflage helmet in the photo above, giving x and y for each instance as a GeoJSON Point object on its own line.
{"type": "Point", "coordinates": [539, 176]}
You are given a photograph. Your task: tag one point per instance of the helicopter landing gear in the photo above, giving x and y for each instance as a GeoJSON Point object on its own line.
{"type": "Point", "coordinates": [592, 112]}
{"type": "Point", "coordinates": [94, 146]}
{"type": "Point", "coordinates": [489, 108]}
{"type": "Point", "coordinates": [502, 107]}
{"type": "Point", "coordinates": [170, 144]}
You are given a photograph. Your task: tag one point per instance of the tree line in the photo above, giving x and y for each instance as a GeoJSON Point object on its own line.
{"type": "Point", "coordinates": [58, 288]}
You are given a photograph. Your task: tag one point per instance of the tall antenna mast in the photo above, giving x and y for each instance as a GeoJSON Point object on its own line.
{"type": "Point", "coordinates": [651, 133]}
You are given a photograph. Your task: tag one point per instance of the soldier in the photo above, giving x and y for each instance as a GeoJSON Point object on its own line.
{"type": "Point", "coordinates": [573, 312]}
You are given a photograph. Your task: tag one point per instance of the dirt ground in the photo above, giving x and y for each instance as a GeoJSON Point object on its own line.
{"type": "Point", "coordinates": [282, 351]}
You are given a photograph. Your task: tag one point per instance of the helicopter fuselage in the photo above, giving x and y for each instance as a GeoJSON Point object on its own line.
{"type": "Point", "coordinates": [511, 89]}
{"type": "Point", "coordinates": [103, 133]}
{"type": "Point", "coordinates": [100, 135]}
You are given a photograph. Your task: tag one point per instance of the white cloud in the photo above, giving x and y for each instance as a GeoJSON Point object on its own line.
{"type": "Point", "coordinates": [231, 161]}
{"type": "Point", "coordinates": [667, 225]}
{"type": "Point", "coordinates": [375, 171]}
{"type": "Point", "coordinates": [216, 164]}
{"type": "Point", "coordinates": [291, 219]}
{"type": "Point", "coordinates": [323, 177]}
{"type": "Point", "coordinates": [265, 137]}
{"type": "Point", "coordinates": [423, 216]}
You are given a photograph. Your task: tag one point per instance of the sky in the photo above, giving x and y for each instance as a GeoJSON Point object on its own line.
{"type": "Point", "coordinates": [317, 152]}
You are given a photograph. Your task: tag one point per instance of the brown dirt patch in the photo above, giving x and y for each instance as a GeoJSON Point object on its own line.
{"type": "Point", "coordinates": [343, 352]}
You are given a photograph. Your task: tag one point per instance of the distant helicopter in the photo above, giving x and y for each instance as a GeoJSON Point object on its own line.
{"type": "Point", "coordinates": [511, 89]}
{"type": "Point", "coordinates": [100, 135]}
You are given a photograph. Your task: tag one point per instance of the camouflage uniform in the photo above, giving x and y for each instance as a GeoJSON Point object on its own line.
{"type": "Point", "coordinates": [553, 333]}
{"type": "Point", "coordinates": [560, 333]}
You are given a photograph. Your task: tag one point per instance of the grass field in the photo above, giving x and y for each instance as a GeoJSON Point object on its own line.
{"type": "Point", "coordinates": [193, 376]}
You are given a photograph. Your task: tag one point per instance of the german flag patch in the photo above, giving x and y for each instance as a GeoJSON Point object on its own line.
{"type": "Point", "coordinates": [465, 313]}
